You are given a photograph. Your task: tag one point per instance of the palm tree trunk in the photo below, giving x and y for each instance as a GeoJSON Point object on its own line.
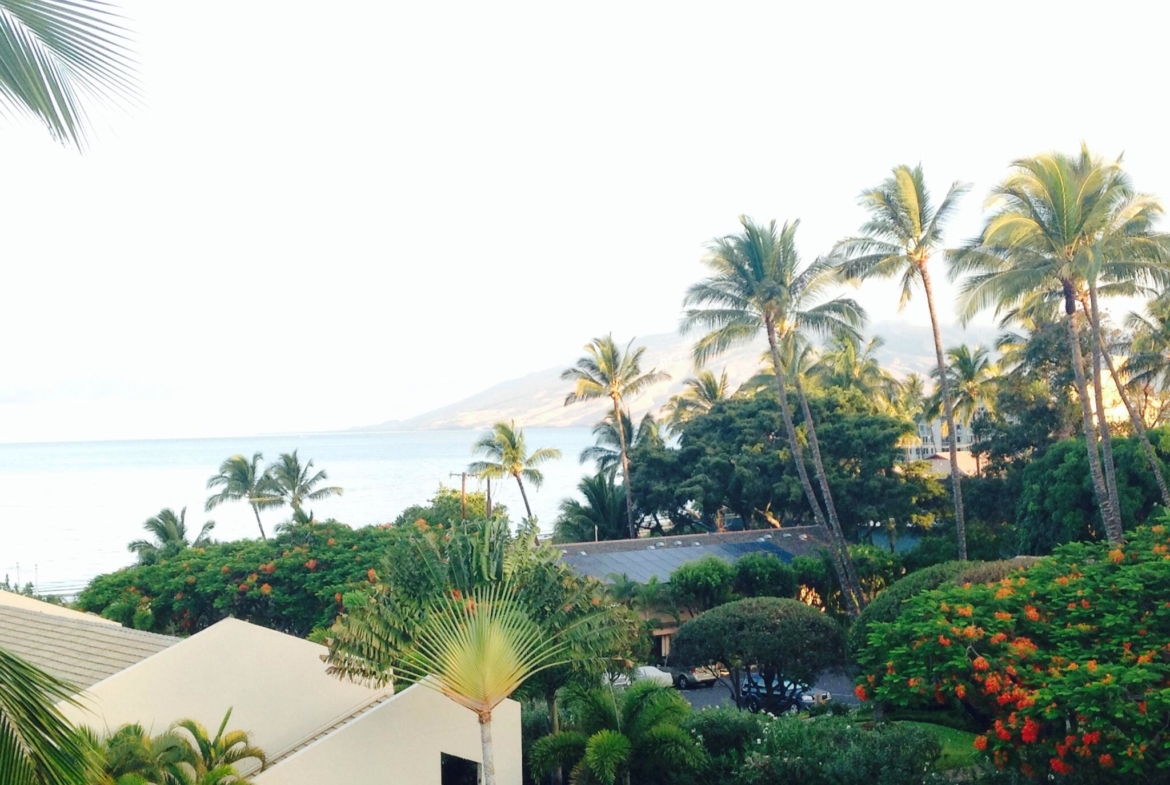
{"type": "Point", "coordinates": [523, 496]}
{"type": "Point", "coordinates": [1070, 312]}
{"type": "Point", "coordinates": [256, 512]}
{"type": "Point", "coordinates": [551, 699]}
{"type": "Point", "coordinates": [949, 412]}
{"type": "Point", "coordinates": [1099, 397]}
{"type": "Point", "coordinates": [1139, 427]}
{"type": "Point", "coordinates": [836, 546]}
{"type": "Point", "coordinates": [830, 508]}
{"type": "Point", "coordinates": [621, 429]}
{"type": "Point", "coordinates": [489, 754]}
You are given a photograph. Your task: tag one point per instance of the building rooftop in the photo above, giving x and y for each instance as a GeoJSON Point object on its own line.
{"type": "Point", "coordinates": [79, 650]}
{"type": "Point", "coordinates": [657, 557]}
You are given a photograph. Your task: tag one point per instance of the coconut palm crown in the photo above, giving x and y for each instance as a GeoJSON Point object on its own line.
{"type": "Point", "coordinates": [295, 483]}
{"type": "Point", "coordinates": [240, 479]}
{"type": "Point", "coordinates": [507, 456]}
{"type": "Point", "coordinates": [170, 536]}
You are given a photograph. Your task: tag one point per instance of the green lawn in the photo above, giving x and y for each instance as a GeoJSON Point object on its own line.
{"type": "Point", "coordinates": [958, 747]}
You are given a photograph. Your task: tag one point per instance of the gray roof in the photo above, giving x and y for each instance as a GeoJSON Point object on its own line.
{"type": "Point", "coordinates": [657, 557]}
{"type": "Point", "coordinates": [79, 651]}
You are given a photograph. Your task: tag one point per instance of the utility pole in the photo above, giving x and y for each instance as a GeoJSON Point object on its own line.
{"type": "Point", "coordinates": [489, 497]}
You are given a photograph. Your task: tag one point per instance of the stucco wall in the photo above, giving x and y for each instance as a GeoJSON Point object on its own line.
{"type": "Point", "coordinates": [275, 684]}
{"type": "Point", "coordinates": [399, 743]}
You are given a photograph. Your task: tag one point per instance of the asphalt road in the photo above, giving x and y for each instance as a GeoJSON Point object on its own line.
{"type": "Point", "coordinates": [836, 684]}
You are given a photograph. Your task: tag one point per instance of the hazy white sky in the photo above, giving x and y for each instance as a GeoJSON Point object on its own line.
{"type": "Point", "coordinates": [325, 216]}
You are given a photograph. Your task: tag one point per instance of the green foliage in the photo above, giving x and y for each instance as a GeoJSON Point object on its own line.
{"type": "Point", "coordinates": [601, 516]}
{"type": "Point", "coordinates": [702, 584]}
{"type": "Point", "coordinates": [763, 575]}
{"type": "Point", "coordinates": [446, 508]}
{"type": "Point", "coordinates": [728, 735]}
{"type": "Point", "coordinates": [170, 536]}
{"type": "Point", "coordinates": [887, 605]}
{"type": "Point", "coordinates": [785, 640]}
{"type": "Point", "coordinates": [1063, 663]}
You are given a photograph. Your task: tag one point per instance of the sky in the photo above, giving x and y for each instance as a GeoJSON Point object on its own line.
{"type": "Point", "coordinates": [328, 216]}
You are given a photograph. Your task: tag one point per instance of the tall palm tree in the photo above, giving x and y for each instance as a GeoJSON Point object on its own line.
{"type": "Point", "coordinates": [1066, 224]}
{"type": "Point", "coordinates": [904, 230]}
{"type": "Point", "coordinates": [57, 54]}
{"type": "Point", "coordinates": [37, 744]}
{"type": "Point", "coordinates": [700, 393]}
{"type": "Point", "coordinates": [602, 515]}
{"type": "Point", "coordinates": [758, 285]}
{"type": "Point", "coordinates": [847, 364]}
{"type": "Point", "coordinates": [242, 480]}
{"type": "Point", "coordinates": [295, 483]}
{"type": "Point", "coordinates": [606, 452]}
{"type": "Point", "coordinates": [170, 536]}
{"type": "Point", "coordinates": [507, 456]}
{"type": "Point", "coordinates": [608, 371]}
{"type": "Point", "coordinates": [972, 378]}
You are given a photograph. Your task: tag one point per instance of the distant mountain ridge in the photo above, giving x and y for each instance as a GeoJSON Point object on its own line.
{"type": "Point", "coordinates": [538, 399]}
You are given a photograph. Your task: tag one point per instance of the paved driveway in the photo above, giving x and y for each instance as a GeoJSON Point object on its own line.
{"type": "Point", "coordinates": [836, 684]}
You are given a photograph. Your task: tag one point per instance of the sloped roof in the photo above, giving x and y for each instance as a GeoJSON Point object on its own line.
{"type": "Point", "coordinates": [78, 650]}
{"type": "Point", "coordinates": [14, 600]}
{"type": "Point", "coordinates": [657, 557]}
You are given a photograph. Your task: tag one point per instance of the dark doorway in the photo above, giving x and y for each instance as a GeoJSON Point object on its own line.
{"type": "Point", "coordinates": [458, 771]}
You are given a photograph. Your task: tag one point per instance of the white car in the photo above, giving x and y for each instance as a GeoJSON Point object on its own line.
{"type": "Point", "coordinates": [641, 673]}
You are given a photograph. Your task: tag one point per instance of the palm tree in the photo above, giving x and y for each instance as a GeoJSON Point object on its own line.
{"type": "Point", "coordinates": [131, 756]}
{"type": "Point", "coordinates": [37, 744]}
{"type": "Point", "coordinates": [1067, 224]}
{"type": "Point", "coordinates": [903, 232]}
{"type": "Point", "coordinates": [55, 55]}
{"type": "Point", "coordinates": [700, 393]}
{"type": "Point", "coordinates": [607, 371]}
{"type": "Point", "coordinates": [242, 480]}
{"type": "Point", "coordinates": [170, 536]}
{"type": "Point", "coordinates": [606, 452]}
{"type": "Point", "coordinates": [758, 285]}
{"type": "Point", "coordinates": [847, 365]}
{"type": "Point", "coordinates": [225, 750]}
{"type": "Point", "coordinates": [636, 737]}
{"type": "Point", "coordinates": [507, 456]}
{"type": "Point", "coordinates": [972, 379]}
{"type": "Point", "coordinates": [601, 515]}
{"type": "Point", "coordinates": [295, 483]}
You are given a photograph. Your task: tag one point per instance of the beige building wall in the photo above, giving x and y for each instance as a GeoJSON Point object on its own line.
{"type": "Point", "coordinates": [399, 743]}
{"type": "Point", "coordinates": [275, 684]}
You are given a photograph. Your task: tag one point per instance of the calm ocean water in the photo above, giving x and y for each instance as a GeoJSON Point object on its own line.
{"type": "Point", "coordinates": [67, 510]}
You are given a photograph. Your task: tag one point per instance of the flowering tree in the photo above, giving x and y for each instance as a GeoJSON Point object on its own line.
{"type": "Point", "coordinates": [1066, 664]}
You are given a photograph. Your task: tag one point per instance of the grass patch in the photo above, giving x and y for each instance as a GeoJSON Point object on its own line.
{"type": "Point", "coordinates": [958, 747]}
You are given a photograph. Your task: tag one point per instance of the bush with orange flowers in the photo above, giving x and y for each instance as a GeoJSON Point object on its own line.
{"type": "Point", "coordinates": [1069, 672]}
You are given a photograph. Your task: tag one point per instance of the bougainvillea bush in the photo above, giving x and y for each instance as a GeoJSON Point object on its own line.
{"type": "Point", "coordinates": [1065, 664]}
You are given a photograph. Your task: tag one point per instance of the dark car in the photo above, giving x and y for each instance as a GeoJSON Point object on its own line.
{"type": "Point", "coordinates": [786, 696]}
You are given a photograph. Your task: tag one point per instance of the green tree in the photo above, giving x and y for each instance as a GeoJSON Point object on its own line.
{"type": "Point", "coordinates": [242, 480]}
{"type": "Point", "coordinates": [763, 575]}
{"type": "Point", "coordinates": [702, 584]}
{"type": "Point", "coordinates": [507, 456]}
{"type": "Point", "coordinates": [606, 452]}
{"type": "Point", "coordinates": [634, 737]}
{"type": "Point", "coordinates": [58, 54]}
{"type": "Point", "coordinates": [788, 642]}
{"type": "Point", "coordinates": [37, 744]}
{"type": "Point", "coordinates": [904, 230]}
{"type": "Point", "coordinates": [296, 482]}
{"type": "Point", "coordinates": [972, 379]}
{"type": "Point", "coordinates": [607, 371]}
{"type": "Point", "coordinates": [601, 516]}
{"type": "Point", "coordinates": [170, 536]}
{"type": "Point", "coordinates": [218, 753]}
{"type": "Point", "coordinates": [758, 285]}
{"type": "Point", "coordinates": [847, 365]}
{"type": "Point", "coordinates": [700, 393]}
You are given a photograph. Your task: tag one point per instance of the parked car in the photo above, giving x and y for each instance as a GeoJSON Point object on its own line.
{"type": "Point", "coordinates": [686, 678]}
{"type": "Point", "coordinates": [786, 696]}
{"type": "Point", "coordinates": [642, 672]}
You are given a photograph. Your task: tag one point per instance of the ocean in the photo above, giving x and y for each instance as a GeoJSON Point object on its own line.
{"type": "Point", "coordinates": [68, 510]}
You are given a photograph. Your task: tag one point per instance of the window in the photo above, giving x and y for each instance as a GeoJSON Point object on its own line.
{"type": "Point", "coordinates": [458, 771]}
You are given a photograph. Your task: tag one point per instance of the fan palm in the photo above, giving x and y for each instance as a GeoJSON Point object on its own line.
{"type": "Point", "coordinates": [757, 284]}
{"type": "Point", "coordinates": [606, 452]}
{"type": "Point", "coordinates": [601, 516]}
{"type": "Point", "coordinates": [37, 744]}
{"type": "Point", "coordinates": [225, 750]}
{"type": "Point", "coordinates": [294, 482]}
{"type": "Point", "coordinates": [170, 536]}
{"type": "Point", "coordinates": [242, 480]}
{"type": "Point", "coordinates": [608, 371]}
{"type": "Point", "coordinates": [57, 54]}
{"type": "Point", "coordinates": [700, 393]}
{"type": "Point", "coordinates": [1066, 224]}
{"type": "Point", "coordinates": [507, 456]}
{"type": "Point", "coordinates": [636, 737]}
{"type": "Point", "coordinates": [904, 230]}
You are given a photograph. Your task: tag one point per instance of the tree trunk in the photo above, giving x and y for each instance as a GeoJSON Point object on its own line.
{"type": "Point", "coordinates": [1078, 358]}
{"type": "Point", "coordinates": [523, 496]}
{"type": "Point", "coordinates": [256, 511]}
{"type": "Point", "coordinates": [830, 508]}
{"type": "Point", "coordinates": [489, 754]}
{"type": "Point", "coordinates": [835, 547]}
{"type": "Point", "coordinates": [621, 429]}
{"type": "Point", "coordinates": [1098, 395]}
{"type": "Point", "coordinates": [949, 412]}
{"type": "Point", "coordinates": [551, 699]}
{"type": "Point", "coordinates": [1139, 427]}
